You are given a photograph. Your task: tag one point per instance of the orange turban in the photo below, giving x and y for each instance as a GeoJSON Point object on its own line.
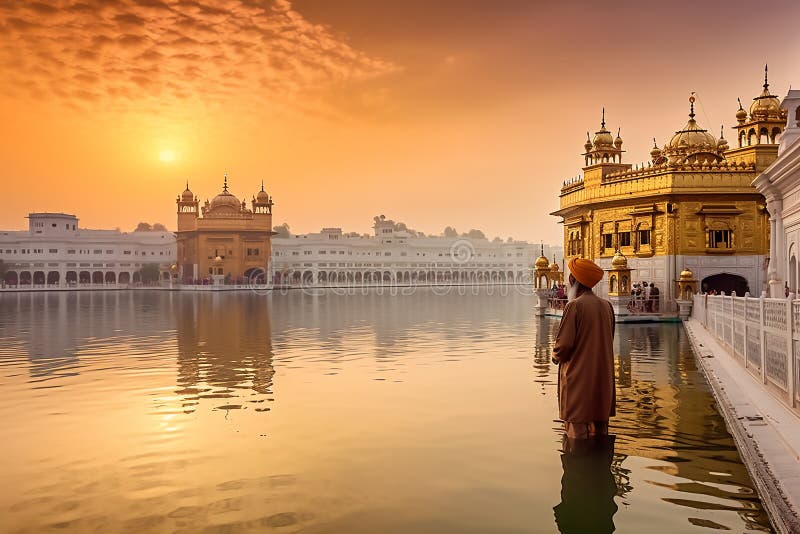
{"type": "Point", "coordinates": [585, 271]}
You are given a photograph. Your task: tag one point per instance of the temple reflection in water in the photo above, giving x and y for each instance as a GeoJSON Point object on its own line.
{"type": "Point", "coordinates": [223, 349]}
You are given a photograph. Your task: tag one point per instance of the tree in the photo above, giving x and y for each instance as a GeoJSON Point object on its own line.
{"type": "Point", "coordinates": [476, 234]}
{"type": "Point", "coordinates": [497, 239]}
{"type": "Point", "coordinates": [150, 272]}
{"type": "Point", "coordinates": [450, 232]}
{"type": "Point", "coordinates": [510, 240]}
{"type": "Point", "coordinates": [282, 230]}
{"type": "Point", "coordinates": [143, 227]}
{"type": "Point", "coordinates": [158, 227]}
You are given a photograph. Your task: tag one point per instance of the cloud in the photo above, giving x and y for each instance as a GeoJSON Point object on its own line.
{"type": "Point", "coordinates": [137, 55]}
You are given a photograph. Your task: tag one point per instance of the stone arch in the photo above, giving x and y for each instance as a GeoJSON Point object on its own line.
{"type": "Point", "coordinates": [11, 278]}
{"type": "Point", "coordinates": [110, 278]}
{"type": "Point", "coordinates": [39, 278]}
{"type": "Point", "coordinates": [137, 277]}
{"type": "Point", "coordinates": [725, 282]}
{"type": "Point", "coordinates": [742, 138]}
{"type": "Point", "coordinates": [308, 277]}
{"type": "Point", "coordinates": [752, 138]}
{"type": "Point", "coordinates": [25, 278]}
{"type": "Point", "coordinates": [612, 283]}
{"type": "Point", "coordinates": [53, 278]}
{"type": "Point", "coordinates": [775, 135]}
{"type": "Point", "coordinates": [97, 277]}
{"type": "Point", "coordinates": [124, 278]}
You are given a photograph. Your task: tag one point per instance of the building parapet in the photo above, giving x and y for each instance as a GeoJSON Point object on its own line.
{"type": "Point", "coordinates": [762, 335]}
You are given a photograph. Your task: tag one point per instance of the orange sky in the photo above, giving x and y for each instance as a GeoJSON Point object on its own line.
{"type": "Point", "coordinates": [463, 113]}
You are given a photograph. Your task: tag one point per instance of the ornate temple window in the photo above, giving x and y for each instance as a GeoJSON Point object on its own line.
{"type": "Point", "coordinates": [644, 238]}
{"type": "Point", "coordinates": [624, 239]}
{"type": "Point", "coordinates": [720, 238]}
{"type": "Point", "coordinates": [608, 243]}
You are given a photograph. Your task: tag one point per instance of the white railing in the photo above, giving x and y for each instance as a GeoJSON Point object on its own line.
{"type": "Point", "coordinates": [761, 334]}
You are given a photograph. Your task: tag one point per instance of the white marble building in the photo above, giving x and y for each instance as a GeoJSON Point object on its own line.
{"type": "Point", "coordinates": [55, 252]}
{"type": "Point", "coordinates": [395, 256]}
{"type": "Point", "coordinates": [780, 185]}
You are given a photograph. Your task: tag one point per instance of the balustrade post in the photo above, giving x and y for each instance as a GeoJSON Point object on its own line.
{"type": "Point", "coordinates": [733, 327]}
{"type": "Point", "coordinates": [790, 385]}
{"type": "Point", "coordinates": [762, 348]}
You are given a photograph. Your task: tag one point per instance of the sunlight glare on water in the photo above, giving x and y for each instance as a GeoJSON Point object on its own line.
{"type": "Point", "coordinates": [181, 412]}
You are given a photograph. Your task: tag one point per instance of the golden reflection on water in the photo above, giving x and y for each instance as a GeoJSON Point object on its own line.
{"type": "Point", "coordinates": [158, 411]}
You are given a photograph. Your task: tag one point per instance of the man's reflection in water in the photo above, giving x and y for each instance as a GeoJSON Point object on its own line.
{"type": "Point", "coordinates": [588, 487]}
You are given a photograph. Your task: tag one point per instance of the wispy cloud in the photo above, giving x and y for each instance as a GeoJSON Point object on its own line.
{"type": "Point", "coordinates": [132, 55]}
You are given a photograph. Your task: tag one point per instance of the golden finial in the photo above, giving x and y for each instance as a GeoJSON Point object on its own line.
{"type": "Point", "coordinates": [225, 184]}
{"type": "Point", "coordinates": [262, 185]}
{"type": "Point", "coordinates": [740, 102]}
{"type": "Point", "coordinates": [766, 82]}
{"type": "Point", "coordinates": [655, 144]}
{"type": "Point", "coordinates": [691, 105]}
{"type": "Point", "coordinates": [603, 118]}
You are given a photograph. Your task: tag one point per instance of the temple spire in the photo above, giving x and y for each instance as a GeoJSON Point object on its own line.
{"type": "Point", "coordinates": [603, 118]}
{"type": "Point", "coordinates": [187, 184]}
{"type": "Point", "coordinates": [691, 106]}
{"type": "Point", "coordinates": [766, 81]}
{"type": "Point", "coordinates": [262, 185]}
{"type": "Point", "coordinates": [225, 184]}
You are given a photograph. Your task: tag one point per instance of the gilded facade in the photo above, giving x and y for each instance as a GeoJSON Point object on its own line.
{"type": "Point", "coordinates": [224, 240]}
{"type": "Point", "coordinates": [692, 205]}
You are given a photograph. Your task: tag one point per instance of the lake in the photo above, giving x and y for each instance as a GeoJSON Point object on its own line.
{"type": "Point", "coordinates": [359, 412]}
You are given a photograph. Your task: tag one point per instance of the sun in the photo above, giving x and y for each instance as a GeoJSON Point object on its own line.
{"type": "Point", "coordinates": [167, 156]}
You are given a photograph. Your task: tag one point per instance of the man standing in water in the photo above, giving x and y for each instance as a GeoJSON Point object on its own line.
{"type": "Point", "coordinates": [584, 352]}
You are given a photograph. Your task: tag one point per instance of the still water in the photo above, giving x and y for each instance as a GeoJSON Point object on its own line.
{"type": "Point", "coordinates": [171, 412]}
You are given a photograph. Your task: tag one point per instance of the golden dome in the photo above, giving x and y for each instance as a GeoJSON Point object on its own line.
{"type": "Point", "coordinates": [587, 146]}
{"type": "Point", "coordinates": [655, 152]}
{"type": "Point", "coordinates": [618, 140]}
{"type": "Point", "coordinates": [687, 274]}
{"type": "Point", "coordinates": [602, 137]}
{"type": "Point", "coordinates": [554, 266]}
{"type": "Point", "coordinates": [766, 105]}
{"type": "Point", "coordinates": [619, 261]}
{"type": "Point", "coordinates": [225, 199]}
{"type": "Point", "coordinates": [187, 195]}
{"type": "Point", "coordinates": [262, 196]}
{"type": "Point", "coordinates": [692, 136]}
{"type": "Point", "coordinates": [741, 114]}
{"type": "Point", "coordinates": [542, 263]}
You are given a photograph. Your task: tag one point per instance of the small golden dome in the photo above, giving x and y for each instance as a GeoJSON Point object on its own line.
{"type": "Point", "coordinates": [602, 137]}
{"type": "Point", "coordinates": [655, 152]}
{"type": "Point", "coordinates": [262, 196]}
{"type": "Point", "coordinates": [187, 195]}
{"type": "Point", "coordinates": [618, 140]}
{"type": "Point", "coordinates": [741, 114]}
{"type": "Point", "coordinates": [619, 261]}
{"type": "Point", "coordinates": [766, 105]}
{"type": "Point", "coordinates": [687, 274]}
{"type": "Point", "coordinates": [542, 263]}
{"type": "Point", "coordinates": [587, 146]}
{"type": "Point", "coordinates": [554, 267]}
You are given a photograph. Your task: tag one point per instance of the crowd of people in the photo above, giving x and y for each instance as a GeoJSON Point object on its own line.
{"type": "Point", "coordinates": [645, 298]}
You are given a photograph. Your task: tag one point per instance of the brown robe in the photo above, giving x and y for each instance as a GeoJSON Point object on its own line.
{"type": "Point", "coordinates": [584, 351]}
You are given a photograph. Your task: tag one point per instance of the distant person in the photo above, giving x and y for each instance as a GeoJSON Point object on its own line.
{"type": "Point", "coordinates": [584, 353]}
{"type": "Point", "coordinates": [654, 297]}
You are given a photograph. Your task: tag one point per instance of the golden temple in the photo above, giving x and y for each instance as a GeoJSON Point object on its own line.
{"type": "Point", "coordinates": [692, 205]}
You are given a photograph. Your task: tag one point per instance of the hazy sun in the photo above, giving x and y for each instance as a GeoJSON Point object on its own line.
{"type": "Point", "coordinates": [166, 156]}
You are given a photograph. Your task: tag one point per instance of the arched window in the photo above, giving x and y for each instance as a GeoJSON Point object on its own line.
{"type": "Point", "coordinates": [763, 136]}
